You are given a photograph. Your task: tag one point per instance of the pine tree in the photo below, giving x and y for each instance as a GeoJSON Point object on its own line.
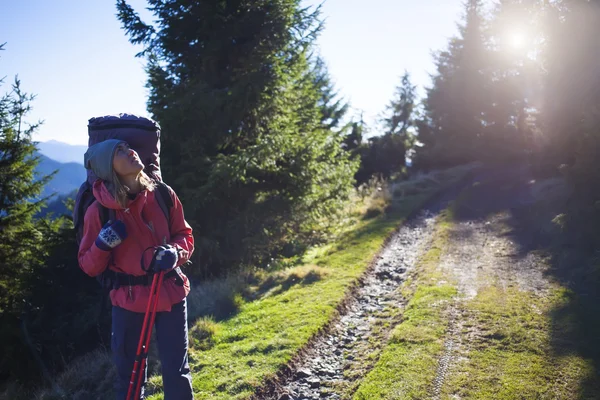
{"type": "Point", "coordinates": [21, 248]}
{"type": "Point", "coordinates": [512, 81]}
{"type": "Point", "coordinates": [381, 156]}
{"type": "Point", "coordinates": [24, 244]}
{"type": "Point", "coordinates": [570, 107]}
{"type": "Point", "coordinates": [353, 140]}
{"type": "Point", "coordinates": [386, 154]}
{"type": "Point", "coordinates": [333, 108]}
{"type": "Point", "coordinates": [451, 126]}
{"type": "Point", "coordinates": [245, 140]}
{"type": "Point", "coordinates": [400, 110]}
{"type": "Point", "coordinates": [571, 121]}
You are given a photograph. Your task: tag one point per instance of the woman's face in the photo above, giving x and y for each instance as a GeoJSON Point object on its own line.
{"type": "Point", "coordinates": [126, 161]}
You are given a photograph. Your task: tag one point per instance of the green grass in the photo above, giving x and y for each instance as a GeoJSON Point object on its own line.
{"type": "Point", "coordinates": [514, 351]}
{"type": "Point", "coordinates": [408, 365]}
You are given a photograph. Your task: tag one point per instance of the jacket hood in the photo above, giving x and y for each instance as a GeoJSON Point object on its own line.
{"type": "Point", "coordinates": [105, 197]}
{"type": "Point", "coordinates": [99, 158]}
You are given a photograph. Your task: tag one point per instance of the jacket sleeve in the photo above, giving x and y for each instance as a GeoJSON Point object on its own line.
{"type": "Point", "coordinates": [92, 260]}
{"type": "Point", "coordinates": [181, 231]}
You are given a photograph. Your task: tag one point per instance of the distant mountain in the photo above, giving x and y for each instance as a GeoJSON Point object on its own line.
{"type": "Point", "coordinates": [62, 152]}
{"type": "Point", "coordinates": [56, 206]}
{"type": "Point", "coordinates": [68, 178]}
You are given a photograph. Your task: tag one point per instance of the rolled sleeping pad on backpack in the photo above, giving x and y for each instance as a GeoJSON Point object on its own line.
{"type": "Point", "coordinates": [142, 134]}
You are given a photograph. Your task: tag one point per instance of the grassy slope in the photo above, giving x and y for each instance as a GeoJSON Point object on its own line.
{"type": "Point", "coordinates": [275, 314]}
{"type": "Point", "coordinates": [266, 333]}
{"type": "Point", "coordinates": [528, 346]}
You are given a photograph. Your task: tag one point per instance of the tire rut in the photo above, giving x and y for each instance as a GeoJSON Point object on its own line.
{"type": "Point", "coordinates": [446, 358]}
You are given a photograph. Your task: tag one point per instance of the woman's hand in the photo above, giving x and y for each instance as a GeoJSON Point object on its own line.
{"type": "Point", "coordinates": [165, 257]}
{"type": "Point", "coordinates": [111, 235]}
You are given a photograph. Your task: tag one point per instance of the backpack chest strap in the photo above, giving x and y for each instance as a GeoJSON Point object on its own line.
{"type": "Point", "coordinates": [143, 280]}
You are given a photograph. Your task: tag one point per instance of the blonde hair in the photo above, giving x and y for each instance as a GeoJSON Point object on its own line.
{"type": "Point", "coordinates": [120, 191]}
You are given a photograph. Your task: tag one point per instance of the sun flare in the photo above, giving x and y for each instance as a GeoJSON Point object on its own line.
{"type": "Point", "coordinates": [516, 40]}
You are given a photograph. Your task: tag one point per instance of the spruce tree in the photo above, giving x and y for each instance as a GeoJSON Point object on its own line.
{"type": "Point", "coordinates": [245, 141]}
{"type": "Point", "coordinates": [333, 108]}
{"type": "Point", "coordinates": [21, 247]}
{"type": "Point", "coordinates": [570, 107]}
{"type": "Point", "coordinates": [512, 81]}
{"type": "Point", "coordinates": [24, 244]}
{"type": "Point", "coordinates": [382, 156]}
{"type": "Point", "coordinates": [399, 113]}
{"type": "Point", "coordinates": [453, 114]}
{"type": "Point", "coordinates": [354, 139]}
{"type": "Point", "coordinates": [386, 154]}
{"type": "Point", "coordinates": [570, 141]}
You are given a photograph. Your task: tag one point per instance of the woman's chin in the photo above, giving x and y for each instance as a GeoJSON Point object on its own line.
{"type": "Point", "coordinates": [138, 167]}
{"type": "Point", "coordinates": [134, 171]}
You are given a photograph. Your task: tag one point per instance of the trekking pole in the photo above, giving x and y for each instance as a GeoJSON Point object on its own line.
{"type": "Point", "coordinates": [143, 345]}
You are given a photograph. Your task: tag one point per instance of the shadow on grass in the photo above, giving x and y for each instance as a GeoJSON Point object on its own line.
{"type": "Point", "coordinates": [221, 299]}
{"type": "Point", "coordinates": [573, 264]}
{"type": "Point", "coordinates": [276, 284]}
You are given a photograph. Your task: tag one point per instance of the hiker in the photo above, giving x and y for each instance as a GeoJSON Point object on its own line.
{"type": "Point", "coordinates": [127, 246]}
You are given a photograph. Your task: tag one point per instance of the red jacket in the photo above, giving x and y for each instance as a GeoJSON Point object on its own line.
{"type": "Point", "coordinates": [146, 226]}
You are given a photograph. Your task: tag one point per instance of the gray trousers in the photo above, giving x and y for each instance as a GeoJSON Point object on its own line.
{"type": "Point", "coordinates": [172, 338]}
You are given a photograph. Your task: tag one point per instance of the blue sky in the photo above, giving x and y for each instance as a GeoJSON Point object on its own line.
{"type": "Point", "coordinates": [76, 59]}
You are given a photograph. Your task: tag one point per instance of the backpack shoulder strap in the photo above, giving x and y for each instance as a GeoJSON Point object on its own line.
{"type": "Point", "coordinates": [163, 196]}
{"type": "Point", "coordinates": [105, 214]}
{"type": "Point", "coordinates": [165, 201]}
{"type": "Point", "coordinates": [106, 277]}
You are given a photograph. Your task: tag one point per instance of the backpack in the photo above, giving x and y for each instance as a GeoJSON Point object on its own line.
{"type": "Point", "coordinates": [142, 135]}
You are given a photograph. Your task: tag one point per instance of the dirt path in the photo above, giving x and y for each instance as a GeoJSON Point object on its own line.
{"type": "Point", "coordinates": [480, 252]}
{"type": "Point", "coordinates": [336, 361]}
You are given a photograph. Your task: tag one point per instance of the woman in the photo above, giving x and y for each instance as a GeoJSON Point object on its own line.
{"type": "Point", "coordinates": [127, 246]}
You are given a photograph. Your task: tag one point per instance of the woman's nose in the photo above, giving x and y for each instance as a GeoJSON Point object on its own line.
{"type": "Point", "coordinates": [130, 152]}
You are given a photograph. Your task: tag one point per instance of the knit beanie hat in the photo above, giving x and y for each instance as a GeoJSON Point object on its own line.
{"type": "Point", "coordinates": [99, 158]}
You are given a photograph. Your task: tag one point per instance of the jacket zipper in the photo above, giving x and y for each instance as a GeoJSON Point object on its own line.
{"type": "Point", "coordinates": [141, 225]}
{"type": "Point", "coordinates": [126, 211]}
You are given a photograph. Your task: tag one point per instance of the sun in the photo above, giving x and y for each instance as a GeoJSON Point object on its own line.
{"type": "Point", "coordinates": [516, 40]}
